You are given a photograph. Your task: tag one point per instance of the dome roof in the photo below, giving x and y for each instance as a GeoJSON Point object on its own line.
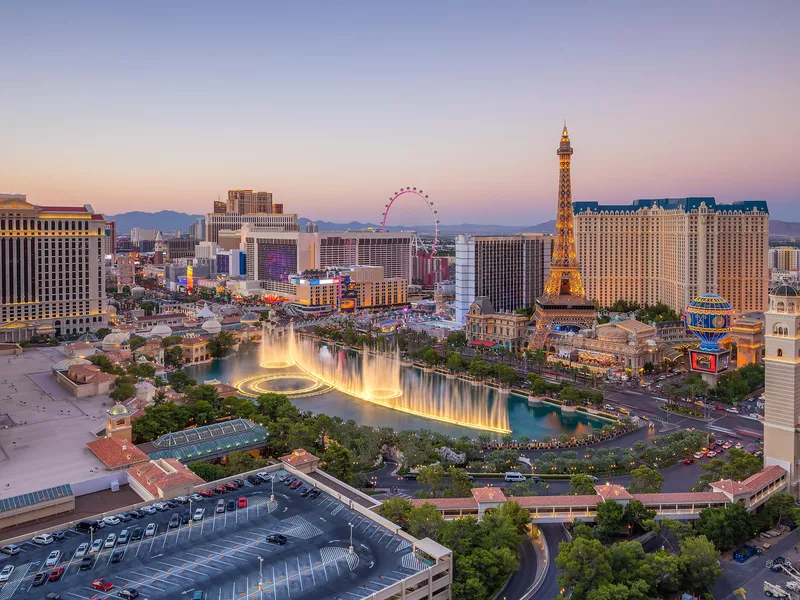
{"type": "Point", "coordinates": [212, 326]}
{"type": "Point", "coordinates": [249, 317]}
{"type": "Point", "coordinates": [87, 337]}
{"type": "Point", "coordinates": [785, 290]}
{"type": "Point", "coordinates": [118, 409]}
{"type": "Point", "coordinates": [205, 313]}
{"type": "Point", "coordinates": [64, 365]}
{"type": "Point", "coordinates": [161, 331]}
{"type": "Point", "coordinates": [710, 302]}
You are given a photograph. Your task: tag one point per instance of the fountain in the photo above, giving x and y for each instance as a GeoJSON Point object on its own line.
{"type": "Point", "coordinates": [376, 378]}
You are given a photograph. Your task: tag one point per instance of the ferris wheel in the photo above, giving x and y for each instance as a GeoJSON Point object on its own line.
{"type": "Point", "coordinates": [413, 194]}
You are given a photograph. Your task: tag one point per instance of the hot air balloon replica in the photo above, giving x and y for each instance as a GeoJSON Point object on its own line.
{"type": "Point", "coordinates": [709, 317]}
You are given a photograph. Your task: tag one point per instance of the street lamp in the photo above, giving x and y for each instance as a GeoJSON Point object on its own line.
{"type": "Point", "coordinates": [91, 536]}
{"type": "Point", "coordinates": [272, 495]}
{"type": "Point", "coordinates": [351, 538]}
{"type": "Point", "coordinates": [260, 573]}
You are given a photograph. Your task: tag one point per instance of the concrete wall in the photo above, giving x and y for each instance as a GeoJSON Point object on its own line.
{"type": "Point", "coordinates": [98, 484]}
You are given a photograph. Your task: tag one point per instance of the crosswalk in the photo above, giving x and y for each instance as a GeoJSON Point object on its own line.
{"type": "Point", "coordinates": [410, 561]}
{"type": "Point", "coordinates": [403, 545]}
{"type": "Point", "coordinates": [334, 554]}
{"type": "Point", "coordinates": [300, 528]}
{"type": "Point", "coordinates": [10, 586]}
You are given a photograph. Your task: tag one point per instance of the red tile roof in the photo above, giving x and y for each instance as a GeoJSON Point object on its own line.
{"type": "Point", "coordinates": [163, 474]}
{"type": "Point", "coordinates": [64, 209]}
{"type": "Point", "coordinates": [488, 494]}
{"type": "Point", "coordinates": [753, 483]}
{"type": "Point", "coordinates": [612, 491]}
{"type": "Point", "coordinates": [442, 503]}
{"type": "Point", "coordinates": [116, 453]}
{"type": "Point", "coordinates": [681, 497]}
{"type": "Point", "coordinates": [194, 341]}
{"type": "Point", "coordinates": [556, 501]}
{"type": "Point", "coordinates": [298, 457]}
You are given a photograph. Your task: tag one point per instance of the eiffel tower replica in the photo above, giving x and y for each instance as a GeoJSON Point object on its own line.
{"type": "Point", "coordinates": [564, 301]}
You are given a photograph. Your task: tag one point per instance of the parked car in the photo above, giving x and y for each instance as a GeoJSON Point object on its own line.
{"type": "Point", "coordinates": [56, 573]}
{"type": "Point", "coordinates": [53, 558]}
{"type": "Point", "coordinates": [43, 539]}
{"type": "Point", "coordinates": [187, 516]}
{"type": "Point", "coordinates": [124, 536]}
{"type": "Point", "coordinates": [117, 555]}
{"type": "Point", "coordinates": [58, 534]}
{"type": "Point", "coordinates": [5, 574]}
{"type": "Point", "coordinates": [104, 585]}
{"type": "Point", "coordinates": [277, 538]}
{"type": "Point", "coordinates": [231, 486]}
{"type": "Point", "coordinates": [239, 482]}
{"type": "Point", "coordinates": [254, 479]}
{"type": "Point", "coordinates": [220, 506]}
{"type": "Point", "coordinates": [264, 476]}
{"type": "Point", "coordinates": [162, 506]}
{"type": "Point", "coordinates": [129, 593]}
{"type": "Point", "coordinates": [136, 533]}
{"type": "Point", "coordinates": [150, 530]}
{"type": "Point", "coordinates": [11, 549]}
{"type": "Point", "coordinates": [711, 454]}
{"type": "Point", "coordinates": [199, 595]}
{"type": "Point", "coordinates": [149, 510]}
{"type": "Point", "coordinates": [295, 484]}
{"type": "Point", "coordinates": [231, 505]}
{"type": "Point", "coordinates": [305, 491]}
{"type": "Point", "coordinates": [732, 409]}
{"type": "Point", "coordinates": [207, 493]}
{"type": "Point", "coordinates": [97, 546]}
{"type": "Point", "coordinates": [314, 494]}
{"type": "Point", "coordinates": [124, 517]}
{"type": "Point", "coordinates": [172, 503]}
{"type": "Point", "coordinates": [199, 514]}
{"type": "Point", "coordinates": [52, 596]}
{"type": "Point", "coordinates": [740, 446]}
{"type": "Point", "coordinates": [688, 460]}
{"type": "Point", "coordinates": [282, 477]}
{"type": "Point", "coordinates": [136, 514]}
{"type": "Point", "coordinates": [243, 502]}
{"type": "Point", "coordinates": [196, 497]}
{"type": "Point", "coordinates": [288, 480]}
{"type": "Point", "coordinates": [220, 489]}
{"type": "Point", "coordinates": [111, 520]}
{"type": "Point", "coordinates": [174, 521]}
{"type": "Point", "coordinates": [111, 540]}
{"type": "Point", "coordinates": [40, 578]}
{"type": "Point", "coordinates": [87, 562]}
{"type": "Point", "coordinates": [182, 499]}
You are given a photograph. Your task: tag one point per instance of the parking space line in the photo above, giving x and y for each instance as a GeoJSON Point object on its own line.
{"type": "Point", "coordinates": [140, 583]}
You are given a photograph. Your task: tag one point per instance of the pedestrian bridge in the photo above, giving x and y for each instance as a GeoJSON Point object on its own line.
{"type": "Point", "coordinates": [752, 492]}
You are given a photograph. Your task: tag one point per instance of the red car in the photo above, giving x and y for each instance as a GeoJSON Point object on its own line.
{"type": "Point", "coordinates": [207, 493]}
{"type": "Point", "coordinates": [56, 573]}
{"type": "Point", "coordinates": [688, 461]}
{"type": "Point", "coordinates": [242, 502]}
{"type": "Point", "coordinates": [231, 486]}
{"type": "Point", "coordinates": [295, 484]}
{"type": "Point", "coordinates": [220, 489]}
{"type": "Point", "coordinates": [104, 585]}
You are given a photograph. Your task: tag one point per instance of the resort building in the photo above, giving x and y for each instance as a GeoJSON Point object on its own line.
{"type": "Point", "coordinates": [673, 250]}
{"type": "Point", "coordinates": [618, 347]}
{"type": "Point", "coordinates": [748, 335]}
{"type": "Point", "coordinates": [272, 257]}
{"type": "Point", "coordinates": [487, 327]}
{"type": "Point", "coordinates": [52, 272]}
{"type": "Point", "coordinates": [348, 288]}
{"type": "Point", "coordinates": [195, 349]}
{"type": "Point", "coordinates": [510, 271]}
{"type": "Point", "coordinates": [209, 442]}
{"type": "Point", "coordinates": [782, 382]}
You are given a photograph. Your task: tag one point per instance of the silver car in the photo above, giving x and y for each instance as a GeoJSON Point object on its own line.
{"type": "Point", "coordinates": [5, 574]}
{"type": "Point", "coordinates": [81, 551]}
{"type": "Point", "coordinates": [53, 558]}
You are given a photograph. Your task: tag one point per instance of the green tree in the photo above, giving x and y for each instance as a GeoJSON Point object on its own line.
{"type": "Point", "coordinates": [433, 477]}
{"type": "Point", "coordinates": [432, 357]}
{"type": "Point", "coordinates": [701, 565]}
{"type": "Point", "coordinates": [136, 342]}
{"type": "Point", "coordinates": [645, 480]}
{"type": "Point", "coordinates": [102, 332]}
{"type": "Point", "coordinates": [203, 392]}
{"type": "Point", "coordinates": [460, 484]}
{"type": "Point", "coordinates": [173, 357]}
{"type": "Point", "coordinates": [397, 510]}
{"type": "Point", "coordinates": [583, 564]}
{"type": "Point", "coordinates": [457, 339]}
{"type": "Point", "coordinates": [609, 519]}
{"type": "Point", "coordinates": [636, 515]}
{"type": "Point", "coordinates": [122, 391]}
{"type": "Point", "coordinates": [780, 506]}
{"type": "Point", "coordinates": [739, 466]}
{"type": "Point", "coordinates": [425, 521]}
{"type": "Point", "coordinates": [338, 462]}
{"type": "Point", "coordinates": [454, 362]}
{"type": "Point", "coordinates": [479, 368]}
{"type": "Point", "coordinates": [221, 344]}
{"type": "Point", "coordinates": [505, 374]}
{"type": "Point", "coordinates": [581, 485]}
{"type": "Point", "coordinates": [179, 381]}
{"type": "Point", "coordinates": [726, 527]}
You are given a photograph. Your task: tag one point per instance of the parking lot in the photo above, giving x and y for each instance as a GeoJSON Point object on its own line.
{"type": "Point", "coordinates": [226, 555]}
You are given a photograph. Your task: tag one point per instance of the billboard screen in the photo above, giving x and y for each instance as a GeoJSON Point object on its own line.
{"type": "Point", "coordinates": [709, 362]}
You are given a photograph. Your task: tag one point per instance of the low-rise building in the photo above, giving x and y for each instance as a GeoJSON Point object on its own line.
{"type": "Point", "coordinates": [485, 324]}
{"type": "Point", "coordinates": [84, 380]}
{"type": "Point", "coordinates": [162, 478]}
{"type": "Point", "coordinates": [349, 288]}
{"type": "Point", "coordinates": [195, 349]}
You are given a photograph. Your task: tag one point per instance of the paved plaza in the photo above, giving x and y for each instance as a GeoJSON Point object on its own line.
{"type": "Point", "coordinates": [46, 446]}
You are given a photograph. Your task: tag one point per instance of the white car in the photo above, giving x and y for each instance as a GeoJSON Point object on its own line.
{"type": "Point", "coordinates": [149, 510]}
{"type": "Point", "coordinates": [81, 551]}
{"type": "Point", "coordinates": [199, 514]}
{"type": "Point", "coordinates": [111, 520]}
{"type": "Point", "coordinates": [110, 540]}
{"type": "Point", "coordinates": [97, 546]}
{"type": "Point", "coordinates": [161, 506]}
{"type": "Point", "coordinates": [196, 498]}
{"type": "Point", "coordinates": [181, 499]}
{"type": "Point", "coordinates": [5, 574]}
{"type": "Point", "coordinates": [53, 558]}
{"type": "Point", "coordinates": [264, 476]}
{"type": "Point", "coordinates": [733, 410]}
{"type": "Point", "coordinates": [11, 549]}
{"type": "Point", "coordinates": [151, 530]}
{"type": "Point", "coordinates": [43, 539]}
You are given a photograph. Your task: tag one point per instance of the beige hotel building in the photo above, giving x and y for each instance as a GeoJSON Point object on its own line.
{"type": "Point", "coordinates": [672, 250]}
{"type": "Point", "coordinates": [52, 269]}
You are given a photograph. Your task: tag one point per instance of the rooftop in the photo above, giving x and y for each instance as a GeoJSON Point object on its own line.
{"type": "Point", "coordinates": [682, 204]}
{"type": "Point", "coordinates": [299, 458]}
{"type": "Point", "coordinates": [33, 498]}
{"type": "Point", "coordinates": [208, 441]}
{"type": "Point", "coordinates": [116, 453]}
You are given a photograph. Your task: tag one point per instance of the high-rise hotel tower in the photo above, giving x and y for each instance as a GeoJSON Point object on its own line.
{"type": "Point", "coordinates": [52, 269]}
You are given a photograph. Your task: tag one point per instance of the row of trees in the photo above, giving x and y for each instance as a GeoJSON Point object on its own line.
{"type": "Point", "coordinates": [485, 551]}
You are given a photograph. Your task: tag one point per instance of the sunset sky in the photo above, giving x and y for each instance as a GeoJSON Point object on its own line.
{"type": "Point", "coordinates": [332, 106]}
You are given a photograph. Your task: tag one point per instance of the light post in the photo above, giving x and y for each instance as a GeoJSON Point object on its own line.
{"type": "Point", "coordinates": [260, 573]}
{"type": "Point", "coordinates": [272, 495]}
{"type": "Point", "coordinates": [91, 537]}
{"type": "Point", "coordinates": [351, 538]}
{"type": "Point", "coordinates": [191, 514]}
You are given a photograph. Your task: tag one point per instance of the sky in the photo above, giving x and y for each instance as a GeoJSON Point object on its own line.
{"type": "Point", "coordinates": [333, 106]}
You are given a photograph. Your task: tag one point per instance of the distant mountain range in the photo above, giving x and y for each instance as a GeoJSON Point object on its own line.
{"type": "Point", "coordinates": [170, 220]}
